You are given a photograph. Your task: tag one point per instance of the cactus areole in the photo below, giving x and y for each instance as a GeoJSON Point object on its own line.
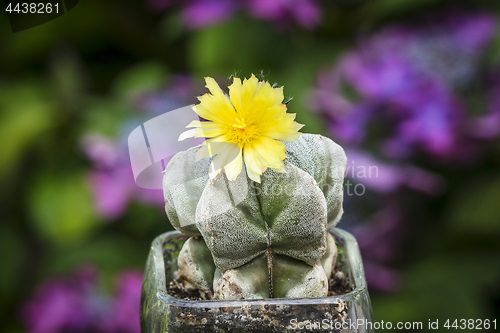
{"type": "Point", "coordinates": [257, 198]}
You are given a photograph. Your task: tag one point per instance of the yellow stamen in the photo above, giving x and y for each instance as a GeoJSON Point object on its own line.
{"type": "Point", "coordinates": [239, 123]}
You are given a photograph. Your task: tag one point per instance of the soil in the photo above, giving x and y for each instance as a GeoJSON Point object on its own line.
{"type": "Point", "coordinates": [337, 284]}
{"type": "Point", "coordinates": [262, 318]}
{"type": "Point", "coordinates": [176, 289]}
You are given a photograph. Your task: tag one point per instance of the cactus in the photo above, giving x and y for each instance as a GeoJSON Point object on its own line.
{"type": "Point", "coordinates": [255, 240]}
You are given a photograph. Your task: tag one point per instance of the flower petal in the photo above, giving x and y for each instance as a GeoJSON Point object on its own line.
{"type": "Point", "coordinates": [213, 110]}
{"type": "Point", "coordinates": [209, 148]}
{"type": "Point", "coordinates": [218, 95]}
{"type": "Point", "coordinates": [226, 153]}
{"type": "Point", "coordinates": [207, 129]}
{"type": "Point", "coordinates": [233, 168]}
{"type": "Point", "coordinates": [248, 91]}
{"type": "Point", "coordinates": [262, 154]}
{"type": "Point", "coordinates": [235, 93]}
{"type": "Point", "coordinates": [253, 164]}
{"type": "Point", "coordinates": [187, 134]}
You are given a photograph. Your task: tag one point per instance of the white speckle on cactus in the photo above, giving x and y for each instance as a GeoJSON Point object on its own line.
{"type": "Point", "coordinates": [295, 279]}
{"type": "Point", "coordinates": [285, 213]}
{"type": "Point", "coordinates": [196, 266]}
{"type": "Point", "coordinates": [330, 257]}
{"type": "Point", "coordinates": [183, 182]}
{"type": "Point", "coordinates": [314, 284]}
{"type": "Point", "coordinates": [326, 162]}
{"type": "Point", "coordinates": [252, 230]}
{"type": "Point", "coordinates": [250, 281]}
{"type": "Point", "coordinates": [235, 234]}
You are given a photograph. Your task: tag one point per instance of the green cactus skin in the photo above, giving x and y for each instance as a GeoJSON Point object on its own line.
{"type": "Point", "coordinates": [326, 162]}
{"type": "Point", "coordinates": [183, 183]}
{"type": "Point", "coordinates": [260, 240]}
{"type": "Point", "coordinates": [250, 281]}
{"type": "Point", "coordinates": [289, 220]}
{"type": "Point", "coordinates": [196, 267]}
{"type": "Point", "coordinates": [291, 278]}
{"type": "Point", "coordinates": [330, 258]}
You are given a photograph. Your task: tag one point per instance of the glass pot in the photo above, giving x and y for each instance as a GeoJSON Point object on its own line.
{"type": "Point", "coordinates": [161, 312]}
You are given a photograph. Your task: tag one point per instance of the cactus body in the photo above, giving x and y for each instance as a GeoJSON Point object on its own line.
{"type": "Point", "coordinates": [260, 240]}
{"type": "Point", "coordinates": [196, 266]}
{"type": "Point", "coordinates": [266, 220]}
{"type": "Point", "coordinates": [183, 183]}
{"type": "Point", "coordinates": [326, 162]}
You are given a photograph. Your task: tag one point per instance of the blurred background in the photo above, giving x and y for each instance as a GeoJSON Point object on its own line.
{"type": "Point", "coordinates": [410, 89]}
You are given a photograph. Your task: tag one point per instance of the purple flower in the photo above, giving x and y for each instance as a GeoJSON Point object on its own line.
{"type": "Point", "coordinates": [128, 300]}
{"type": "Point", "coordinates": [404, 80]}
{"type": "Point", "coordinates": [487, 126]}
{"type": "Point", "coordinates": [381, 278]}
{"type": "Point", "coordinates": [304, 12]}
{"type": "Point", "coordinates": [197, 14]}
{"type": "Point", "coordinates": [380, 242]}
{"type": "Point", "coordinates": [473, 32]}
{"type": "Point", "coordinates": [61, 304]}
{"type": "Point", "coordinates": [350, 126]}
{"type": "Point", "coordinates": [382, 177]}
{"type": "Point", "coordinates": [76, 304]}
{"type": "Point", "coordinates": [348, 119]}
{"type": "Point", "coordinates": [124, 310]}
{"type": "Point", "coordinates": [428, 117]}
{"type": "Point", "coordinates": [422, 109]}
{"type": "Point", "coordinates": [180, 91]}
{"type": "Point", "coordinates": [201, 13]}
{"type": "Point", "coordinates": [111, 179]}
{"type": "Point", "coordinates": [379, 70]}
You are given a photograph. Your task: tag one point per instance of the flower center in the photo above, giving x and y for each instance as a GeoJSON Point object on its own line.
{"type": "Point", "coordinates": [241, 132]}
{"type": "Point", "coordinates": [239, 123]}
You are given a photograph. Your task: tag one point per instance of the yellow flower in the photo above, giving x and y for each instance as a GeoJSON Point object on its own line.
{"type": "Point", "coordinates": [248, 125]}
